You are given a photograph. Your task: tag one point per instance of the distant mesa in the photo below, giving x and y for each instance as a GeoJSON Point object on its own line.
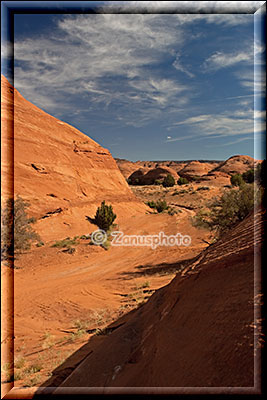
{"type": "Point", "coordinates": [218, 172]}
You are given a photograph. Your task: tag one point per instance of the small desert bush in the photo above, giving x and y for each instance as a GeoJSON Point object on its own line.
{"type": "Point", "coordinates": [39, 244]}
{"type": "Point", "coordinates": [151, 204]}
{"type": "Point", "coordinates": [237, 180]}
{"type": "Point", "coordinates": [182, 181]}
{"type": "Point", "coordinates": [106, 244]}
{"type": "Point", "coordinates": [67, 242]}
{"type": "Point", "coordinates": [160, 205]}
{"type": "Point", "coordinates": [168, 181]}
{"type": "Point", "coordinates": [19, 362]}
{"type": "Point", "coordinates": [143, 285]}
{"type": "Point", "coordinates": [17, 232]}
{"type": "Point", "coordinates": [105, 216]}
{"type": "Point", "coordinates": [33, 369]}
{"type": "Point", "coordinates": [18, 375]}
{"type": "Point", "coordinates": [85, 237]}
{"type": "Point", "coordinates": [48, 341]}
{"type": "Point", "coordinates": [232, 207]}
{"type": "Point", "coordinates": [172, 211]}
{"type": "Point", "coordinates": [248, 176]}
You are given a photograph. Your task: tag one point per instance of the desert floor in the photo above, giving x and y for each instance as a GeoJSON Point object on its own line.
{"type": "Point", "coordinates": [61, 300]}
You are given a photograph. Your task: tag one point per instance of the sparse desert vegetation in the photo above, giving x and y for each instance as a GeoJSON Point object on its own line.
{"type": "Point", "coordinates": [105, 216]}
{"type": "Point", "coordinates": [16, 227]}
{"type": "Point", "coordinates": [72, 299]}
{"type": "Point", "coordinates": [232, 207]}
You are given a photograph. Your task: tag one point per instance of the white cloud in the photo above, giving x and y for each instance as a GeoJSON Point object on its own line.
{"type": "Point", "coordinates": [231, 142]}
{"type": "Point", "coordinates": [88, 53]}
{"type": "Point", "coordinates": [255, 82]}
{"type": "Point", "coordinates": [220, 60]}
{"type": "Point", "coordinates": [178, 65]}
{"type": "Point", "coordinates": [239, 122]}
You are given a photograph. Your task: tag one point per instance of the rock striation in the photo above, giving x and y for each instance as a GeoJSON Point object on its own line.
{"type": "Point", "coordinates": [60, 171]}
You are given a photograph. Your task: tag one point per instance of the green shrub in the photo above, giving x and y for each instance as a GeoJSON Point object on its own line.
{"type": "Point", "coordinates": [172, 211]}
{"type": "Point", "coordinates": [65, 242]}
{"type": "Point", "coordinates": [168, 181]}
{"type": "Point", "coordinates": [160, 205]}
{"type": "Point", "coordinates": [232, 207]}
{"type": "Point", "coordinates": [182, 181]}
{"type": "Point", "coordinates": [157, 182]}
{"type": "Point", "coordinates": [105, 216]}
{"type": "Point", "coordinates": [151, 204]}
{"type": "Point", "coordinates": [40, 244]}
{"type": "Point", "coordinates": [248, 176]}
{"type": "Point", "coordinates": [237, 180]}
{"type": "Point", "coordinates": [17, 232]}
{"type": "Point", "coordinates": [85, 237]}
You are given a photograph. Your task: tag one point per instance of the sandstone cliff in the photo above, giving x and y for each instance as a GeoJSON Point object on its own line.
{"type": "Point", "coordinates": [62, 172]}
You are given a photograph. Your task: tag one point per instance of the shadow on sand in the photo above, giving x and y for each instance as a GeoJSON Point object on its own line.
{"type": "Point", "coordinates": [68, 366]}
{"type": "Point", "coordinates": [72, 362]}
{"type": "Point", "coordinates": [159, 269]}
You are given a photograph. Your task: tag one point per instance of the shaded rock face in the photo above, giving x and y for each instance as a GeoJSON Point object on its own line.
{"type": "Point", "coordinates": [159, 174]}
{"type": "Point", "coordinates": [146, 176]}
{"type": "Point", "coordinates": [126, 167]}
{"type": "Point", "coordinates": [137, 176]}
{"type": "Point", "coordinates": [198, 331]}
{"type": "Point", "coordinates": [58, 167]}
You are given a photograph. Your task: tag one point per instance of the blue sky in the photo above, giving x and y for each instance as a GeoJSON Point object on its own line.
{"type": "Point", "coordinates": [146, 86]}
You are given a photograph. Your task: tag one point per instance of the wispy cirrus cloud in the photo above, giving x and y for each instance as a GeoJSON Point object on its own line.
{"type": "Point", "coordinates": [220, 59]}
{"type": "Point", "coordinates": [177, 64]}
{"type": "Point", "coordinates": [228, 124]}
{"type": "Point", "coordinates": [254, 82]}
{"type": "Point", "coordinates": [103, 58]}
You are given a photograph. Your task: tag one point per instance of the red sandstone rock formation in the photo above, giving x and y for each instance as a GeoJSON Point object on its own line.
{"type": "Point", "coordinates": [62, 172]}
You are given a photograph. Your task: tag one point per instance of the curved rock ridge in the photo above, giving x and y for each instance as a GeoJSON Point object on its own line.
{"type": "Point", "coordinates": [198, 331]}
{"type": "Point", "coordinates": [129, 167]}
{"type": "Point", "coordinates": [148, 176]}
{"type": "Point", "coordinates": [58, 167]}
{"type": "Point", "coordinates": [236, 165]}
{"type": "Point", "coordinates": [195, 169]}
